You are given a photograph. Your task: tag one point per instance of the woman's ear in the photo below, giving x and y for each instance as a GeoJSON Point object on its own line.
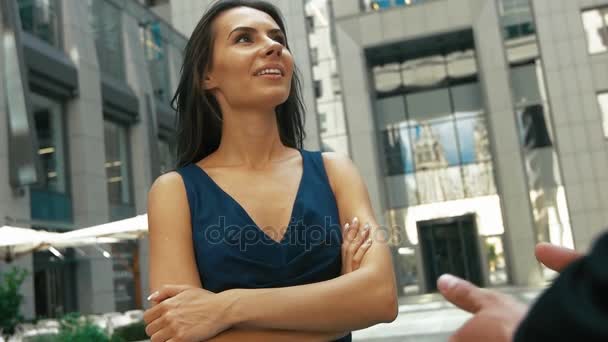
{"type": "Point", "coordinates": [209, 82]}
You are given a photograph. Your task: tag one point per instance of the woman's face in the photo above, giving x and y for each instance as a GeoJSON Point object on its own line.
{"type": "Point", "coordinates": [251, 66]}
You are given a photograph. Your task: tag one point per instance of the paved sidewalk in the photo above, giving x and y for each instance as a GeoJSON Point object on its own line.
{"type": "Point", "coordinates": [429, 318]}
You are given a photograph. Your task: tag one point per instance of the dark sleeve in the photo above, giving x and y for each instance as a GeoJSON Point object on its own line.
{"type": "Point", "coordinates": [575, 307]}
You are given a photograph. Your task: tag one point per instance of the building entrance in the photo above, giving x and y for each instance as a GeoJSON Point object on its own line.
{"type": "Point", "coordinates": [449, 245]}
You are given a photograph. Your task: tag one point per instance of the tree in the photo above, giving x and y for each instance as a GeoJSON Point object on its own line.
{"type": "Point", "coordinates": [10, 300]}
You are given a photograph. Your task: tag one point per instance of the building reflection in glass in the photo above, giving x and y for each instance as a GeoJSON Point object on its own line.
{"type": "Point", "coordinates": [547, 195]}
{"type": "Point", "coordinates": [326, 79]}
{"type": "Point", "coordinates": [438, 164]}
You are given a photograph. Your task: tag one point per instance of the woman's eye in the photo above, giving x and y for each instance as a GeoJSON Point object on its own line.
{"type": "Point", "coordinates": [243, 39]}
{"type": "Point", "coordinates": [280, 40]}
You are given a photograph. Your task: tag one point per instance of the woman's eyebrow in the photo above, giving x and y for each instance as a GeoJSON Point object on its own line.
{"type": "Point", "coordinates": [252, 30]}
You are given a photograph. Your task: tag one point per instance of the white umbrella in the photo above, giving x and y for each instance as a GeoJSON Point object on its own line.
{"type": "Point", "coordinates": [16, 241]}
{"type": "Point", "coordinates": [128, 229]}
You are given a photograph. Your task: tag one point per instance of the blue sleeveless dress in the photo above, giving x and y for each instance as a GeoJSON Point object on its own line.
{"type": "Point", "coordinates": [233, 252]}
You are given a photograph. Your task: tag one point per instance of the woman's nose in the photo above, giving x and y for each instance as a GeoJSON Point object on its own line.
{"type": "Point", "coordinates": [274, 47]}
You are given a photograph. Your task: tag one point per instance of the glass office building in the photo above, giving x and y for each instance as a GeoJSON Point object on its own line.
{"type": "Point", "coordinates": [86, 85]}
{"type": "Point", "coordinates": [479, 127]}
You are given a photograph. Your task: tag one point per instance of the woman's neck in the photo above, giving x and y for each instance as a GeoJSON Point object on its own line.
{"type": "Point", "coordinates": [250, 139]}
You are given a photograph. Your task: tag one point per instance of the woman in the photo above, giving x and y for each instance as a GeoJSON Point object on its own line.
{"type": "Point", "coordinates": [264, 215]}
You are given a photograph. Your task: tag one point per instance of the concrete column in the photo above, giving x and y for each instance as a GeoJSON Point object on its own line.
{"type": "Point", "coordinates": [14, 203]}
{"type": "Point", "coordinates": [506, 151]}
{"type": "Point", "coordinates": [358, 108]}
{"type": "Point", "coordinates": [573, 77]}
{"type": "Point", "coordinates": [143, 135]}
{"type": "Point", "coordinates": [87, 155]}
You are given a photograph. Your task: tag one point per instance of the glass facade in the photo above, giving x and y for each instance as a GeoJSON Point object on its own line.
{"type": "Point", "coordinates": [326, 80]}
{"type": "Point", "coordinates": [516, 19]}
{"type": "Point", "coordinates": [39, 17]}
{"type": "Point", "coordinates": [106, 24]}
{"type": "Point", "coordinates": [50, 200]}
{"type": "Point", "coordinates": [595, 23]}
{"type": "Point", "coordinates": [124, 256]}
{"type": "Point", "coordinates": [118, 171]}
{"type": "Point", "coordinates": [55, 283]}
{"type": "Point", "coordinates": [377, 5]}
{"type": "Point", "coordinates": [439, 173]}
{"type": "Point", "coordinates": [157, 56]}
{"type": "Point", "coordinates": [533, 115]}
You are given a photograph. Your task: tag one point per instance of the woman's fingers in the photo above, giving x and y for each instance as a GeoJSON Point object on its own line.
{"type": "Point", "coordinates": [353, 246]}
{"type": "Point", "coordinates": [358, 257]}
{"type": "Point", "coordinates": [161, 335]}
{"type": "Point", "coordinates": [352, 230]}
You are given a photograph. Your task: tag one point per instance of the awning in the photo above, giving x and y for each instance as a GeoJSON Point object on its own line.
{"type": "Point", "coordinates": [128, 229]}
{"type": "Point", "coordinates": [15, 242]}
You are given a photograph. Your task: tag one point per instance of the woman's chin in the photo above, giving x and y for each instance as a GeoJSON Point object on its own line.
{"type": "Point", "coordinates": [272, 100]}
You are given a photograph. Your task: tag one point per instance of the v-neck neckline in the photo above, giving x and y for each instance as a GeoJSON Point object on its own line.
{"type": "Point", "coordinates": [244, 211]}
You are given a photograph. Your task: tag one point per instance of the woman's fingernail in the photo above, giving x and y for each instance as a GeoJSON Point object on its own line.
{"type": "Point", "coordinates": [368, 242]}
{"type": "Point", "coordinates": [355, 220]}
{"type": "Point", "coordinates": [346, 226]}
{"type": "Point", "coordinates": [153, 295]}
{"type": "Point", "coordinates": [367, 227]}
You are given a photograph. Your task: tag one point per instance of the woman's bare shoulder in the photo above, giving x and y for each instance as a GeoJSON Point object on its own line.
{"type": "Point", "coordinates": [169, 184]}
{"type": "Point", "coordinates": [336, 165]}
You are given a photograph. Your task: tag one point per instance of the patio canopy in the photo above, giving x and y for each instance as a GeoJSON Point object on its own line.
{"type": "Point", "coordinates": [16, 241]}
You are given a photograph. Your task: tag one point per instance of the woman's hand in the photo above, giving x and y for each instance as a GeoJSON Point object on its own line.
{"type": "Point", "coordinates": [356, 243]}
{"type": "Point", "coordinates": [186, 313]}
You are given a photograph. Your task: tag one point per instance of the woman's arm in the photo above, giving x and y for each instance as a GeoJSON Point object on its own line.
{"type": "Point", "coordinates": [270, 335]}
{"type": "Point", "coordinates": [171, 256]}
{"type": "Point", "coordinates": [172, 259]}
{"type": "Point", "coordinates": [354, 301]}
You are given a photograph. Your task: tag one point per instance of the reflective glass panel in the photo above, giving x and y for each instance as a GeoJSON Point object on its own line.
{"type": "Point", "coordinates": [595, 23]}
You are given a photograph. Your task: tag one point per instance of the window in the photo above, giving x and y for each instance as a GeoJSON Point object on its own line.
{"type": "Point", "coordinates": [323, 123]}
{"type": "Point", "coordinates": [118, 170]}
{"type": "Point", "coordinates": [595, 23]}
{"type": "Point", "coordinates": [525, 85]}
{"type": "Point", "coordinates": [318, 89]}
{"type": "Point", "coordinates": [50, 199]}
{"type": "Point", "coordinates": [106, 24]}
{"type": "Point", "coordinates": [603, 101]}
{"type": "Point", "coordinates": [39, 17]}
{"type": "Point", "coordinates": [310, 23]}
{"type": "Point", "coordinates": [314, 56]}
{"type": "Point", "coordinates": [156, 50]}
{"type": "Point", "coordinates": [516, 18]}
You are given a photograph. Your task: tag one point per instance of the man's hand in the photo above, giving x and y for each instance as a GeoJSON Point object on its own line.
{"type": "Point", "coordinates": [496, 316]}
{"type": "Point", "coordinates": [555, 257]}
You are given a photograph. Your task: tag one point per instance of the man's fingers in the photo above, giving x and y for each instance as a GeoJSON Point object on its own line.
{"type": "Point", "coordinates": [555, 257]}
{"type": "Point", "coordinates": [462, 293]}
